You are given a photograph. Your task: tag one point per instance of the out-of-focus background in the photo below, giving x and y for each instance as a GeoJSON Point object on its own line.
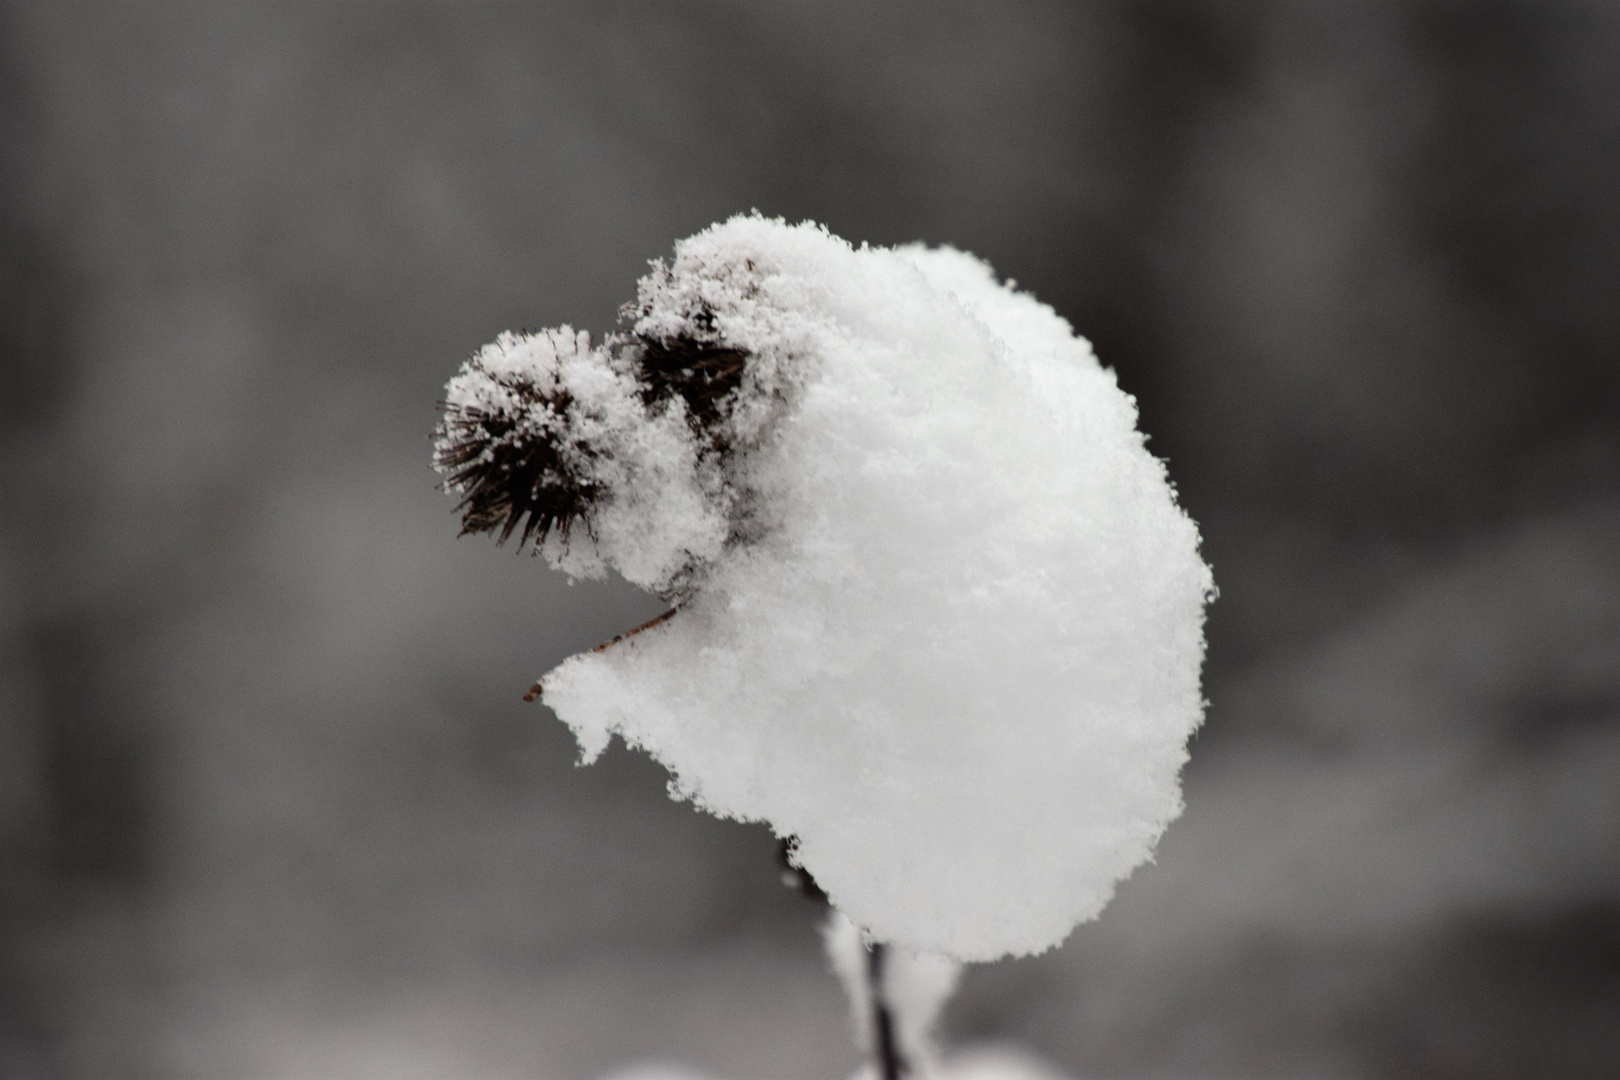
{"type": "Point", "coordinates": [270, 807]}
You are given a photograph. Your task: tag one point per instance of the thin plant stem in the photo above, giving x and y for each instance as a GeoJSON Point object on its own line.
{"type": "Point", "coordinates": [891, 1065]}
{"type": "Point", "coordinates": [533, 693]}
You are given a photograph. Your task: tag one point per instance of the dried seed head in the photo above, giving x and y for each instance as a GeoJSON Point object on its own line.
{"type": "Point", "coordinates": [703, 371]}
{"type": "Point", "coordinates": [505, 445]}
{"type": "Point", "coordinates": [544, 436]}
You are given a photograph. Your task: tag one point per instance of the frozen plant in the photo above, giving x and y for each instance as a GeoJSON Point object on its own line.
{"type": "Point", "coordinates": [936, 616]}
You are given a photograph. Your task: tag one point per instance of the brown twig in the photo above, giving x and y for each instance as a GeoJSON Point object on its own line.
{"type": "Point", "coordinates": [648, 625]}
{"type": "Point", "coordinates": [534, 692]}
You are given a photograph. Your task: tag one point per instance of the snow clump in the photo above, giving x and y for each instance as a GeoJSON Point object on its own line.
{"type": "Point", "coordinates": [939, 618]}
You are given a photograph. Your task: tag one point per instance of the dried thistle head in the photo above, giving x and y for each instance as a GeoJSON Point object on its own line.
{"type": "Point", "coordinates": [512, 475]}
{"type": "Point", "coordinates": [702, 371]}
{"type": "Point", "coordinates": [544, 435]}
{"type": "Point", "coordinates": [508, 445]}
{"type": "Point", "coordinates": [641, 443]}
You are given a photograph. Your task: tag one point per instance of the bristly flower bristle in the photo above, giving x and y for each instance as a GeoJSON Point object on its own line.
{"type": "Point", "coordinates": [703, 372]}
{"type": "Point", "coordinates": [514, 470]}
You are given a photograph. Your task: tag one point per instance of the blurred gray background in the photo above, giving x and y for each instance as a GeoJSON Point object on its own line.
{"type": "Point", "coordinates": [270, 807]}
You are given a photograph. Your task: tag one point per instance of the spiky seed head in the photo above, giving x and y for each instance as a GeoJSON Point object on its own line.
{"type": "Point", "coordinates": [510, 456]}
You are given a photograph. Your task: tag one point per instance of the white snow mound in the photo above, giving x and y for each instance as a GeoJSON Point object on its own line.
{"type": "Point", "coordinates": [951, 638]}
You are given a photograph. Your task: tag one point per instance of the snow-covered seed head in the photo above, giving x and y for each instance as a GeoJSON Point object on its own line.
{"type": "Point", "coordinates": [510, 466]}
{"type": "Point", "coordinates": [546, 436]}
{"type": "Point", "coordinates": [703, 372]}
{"type": "Point", "coordinates": [940, 617]}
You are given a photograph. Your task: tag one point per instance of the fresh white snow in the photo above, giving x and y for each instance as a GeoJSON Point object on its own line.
{"type": "Point", "coordinates": [940, 616]}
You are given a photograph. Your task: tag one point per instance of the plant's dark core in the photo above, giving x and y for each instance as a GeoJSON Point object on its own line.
{"type": "Point", "coordinates": [512, 478]}
{"type": "Point", "coordinates": [704, 373]}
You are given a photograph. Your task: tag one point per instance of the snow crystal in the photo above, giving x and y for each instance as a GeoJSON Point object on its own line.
{"type": "Point", "coordinates": [939, 615]}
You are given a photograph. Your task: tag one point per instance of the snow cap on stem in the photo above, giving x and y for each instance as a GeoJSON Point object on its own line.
{"type": "Point", "coordinates": [940, 614]}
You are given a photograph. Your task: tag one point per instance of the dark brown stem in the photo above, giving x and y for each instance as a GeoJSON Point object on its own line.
{"type": "Point", "coordinates": [534, 692]}
{"type": "Point", "coordinates": [885, 1042]}
{"type": "Point", "coordinates": [648, 625]}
